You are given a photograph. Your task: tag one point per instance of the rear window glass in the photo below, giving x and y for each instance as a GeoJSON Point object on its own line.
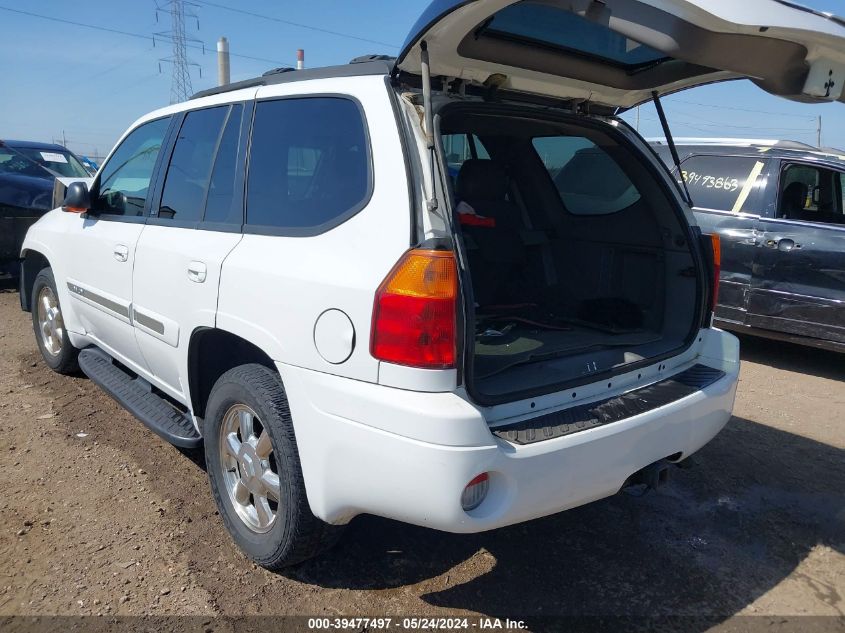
{"type": "Point", "coordinates": [549, 26]}
{"type": "Point", "coordinates": [588, 179]}
{"type": "Point", "coordinates": [719, 182]}
{"type": "Point", "coordinates": [222, 204]}
{"type": "Point", "coordinates": [190, 165]}
{"type": "Point", "coordinates": [309, 166]}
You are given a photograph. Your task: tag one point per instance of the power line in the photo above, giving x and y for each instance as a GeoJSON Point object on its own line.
{"type": "Point", "coordinates": [297, 24]}
{"type": "Point", "coordinates": [130, 34]}
{"type": "Point", "coordinates": [709, 130]}
{"type": "Point", "coordinates": [724, 107]}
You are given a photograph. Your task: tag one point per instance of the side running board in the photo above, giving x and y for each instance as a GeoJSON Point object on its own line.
{"type": "Point", "coordinates": [136, 395]}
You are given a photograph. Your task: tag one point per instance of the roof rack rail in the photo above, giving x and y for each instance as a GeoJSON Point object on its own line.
{"type": "Point", "coordinates": [280, 69]}
{"type": "Point", "coordinates": [376, 66]}
{"type": "Point", "coordinates": [375, 57]}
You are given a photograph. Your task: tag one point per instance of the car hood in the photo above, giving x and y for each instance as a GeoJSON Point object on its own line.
{"type": "Point", "coordinates": [26, 192]}
{"type": "Point", "coordinates": [620, 52]}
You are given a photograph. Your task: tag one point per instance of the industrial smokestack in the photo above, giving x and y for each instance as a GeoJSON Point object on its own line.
{"type": "Point", "coordinates": [223, 62]}
{"type": "Point", "coordinates": [300, 59]}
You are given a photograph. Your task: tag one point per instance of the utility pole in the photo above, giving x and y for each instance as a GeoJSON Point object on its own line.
{"type": "Point", "coordinates": [819, 133]}
{"type": "Point", "coordinates": [638, 118]}
{"type": "Point", "coordinates": [64, 140]}
{"type": "Point", "coordinates": [180, 84]}
{"type": "Point", "coordinates": [223, 76]}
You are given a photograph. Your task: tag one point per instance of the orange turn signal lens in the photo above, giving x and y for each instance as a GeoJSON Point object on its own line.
{"type": "Point", "coordinates": [424, 274]}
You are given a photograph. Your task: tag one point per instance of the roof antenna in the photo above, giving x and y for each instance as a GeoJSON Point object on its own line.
{"type": "Point", "coordinates": [671, 143]}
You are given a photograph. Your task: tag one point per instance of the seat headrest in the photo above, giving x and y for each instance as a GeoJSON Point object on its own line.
{"type": "Point", "coordinates": [481, 179]}
{"type": "Point", "coordinates": [793, 199]}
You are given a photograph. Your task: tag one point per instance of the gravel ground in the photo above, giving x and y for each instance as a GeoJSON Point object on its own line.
{"type": "Point", "coordinates": [99, 516]}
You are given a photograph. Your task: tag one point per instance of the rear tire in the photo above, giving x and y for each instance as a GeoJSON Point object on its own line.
{"type": "Point", "coordinates": [48, 323]}
{"type": "Point", "coordinates": [254, 470]}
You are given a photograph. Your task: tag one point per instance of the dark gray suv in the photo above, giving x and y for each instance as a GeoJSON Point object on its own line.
{"type": "Point", "coordinates": [779, 208]}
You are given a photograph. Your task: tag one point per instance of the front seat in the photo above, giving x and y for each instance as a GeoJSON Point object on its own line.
{"type": "Point", "coordinates": [792, 201]}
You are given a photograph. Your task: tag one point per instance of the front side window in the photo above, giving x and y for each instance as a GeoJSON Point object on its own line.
{"type": "Point", "coordinates": [588, 179]}
{"type": "Point", "coordinates": [309, 165]}
{"type": "Point", "coordinates": [125, 178]}
{"type": "Point", "coordinates": [811, 194]}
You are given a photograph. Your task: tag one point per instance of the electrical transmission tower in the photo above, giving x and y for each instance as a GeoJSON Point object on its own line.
{"type": "Point", "coordinates": [180, 85]}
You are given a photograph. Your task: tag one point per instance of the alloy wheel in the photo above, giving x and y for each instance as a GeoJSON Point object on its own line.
{"type": "Point", "coordinates": [50, 322]}
{"type": "Point", "coordinates": [250, 473]}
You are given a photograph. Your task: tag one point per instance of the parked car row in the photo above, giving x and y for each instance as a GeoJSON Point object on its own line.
{"type": "Point", "coordinates": [779, 209]}
{"type": "Point", "coordinates": [452, 288]}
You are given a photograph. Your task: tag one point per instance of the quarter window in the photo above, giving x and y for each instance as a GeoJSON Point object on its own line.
{"type": "Point", "coordinates": [125, 179]}
{"type": "Point", "coordinates": [309, 165]}
{"type": "Point", "coordinates": [190, 166]}
{"type": "Point", "coordinates": [588, 179]}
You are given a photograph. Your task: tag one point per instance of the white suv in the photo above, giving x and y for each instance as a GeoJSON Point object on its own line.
{"type": "Point", "coordinates": [452, 288]}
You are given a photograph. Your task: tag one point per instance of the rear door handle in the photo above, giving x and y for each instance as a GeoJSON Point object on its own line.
{"type": "Point", "coordinates": [121, 252]}
{"type": "Point", "coordinates": [197, 272]}
{"type": "Point", "coordinates": [784, 244]}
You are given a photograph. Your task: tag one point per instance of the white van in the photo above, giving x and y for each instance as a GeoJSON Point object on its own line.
{"type": "Point", "coordinates": [452, 288]}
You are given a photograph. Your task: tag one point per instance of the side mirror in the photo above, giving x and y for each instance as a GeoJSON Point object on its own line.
{"type": "Point", "coordinates": [77, 199]}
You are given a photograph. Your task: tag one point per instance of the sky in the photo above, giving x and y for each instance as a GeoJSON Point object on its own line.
{"type": "Point", "coordinates": [89, 84]}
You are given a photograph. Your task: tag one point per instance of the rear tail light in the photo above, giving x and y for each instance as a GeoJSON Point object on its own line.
{"type": "Point", "coordinates": [414, 316]}
{"type": "Point", "coordinates": [716, 243]}
{"type": "Point", "coordinates": [475, 492]}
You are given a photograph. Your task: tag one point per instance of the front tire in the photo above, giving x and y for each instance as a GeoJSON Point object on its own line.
{"type": "Point", "coordinates": [254, 470]}
{"type": "Point", "coordinates": [48, 323]}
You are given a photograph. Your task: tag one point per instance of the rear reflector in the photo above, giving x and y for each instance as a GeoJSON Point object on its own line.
{"type": "Point", "coordinates": [717, 269]}
{"type": "Point", "coordinates": [415, 311]}
{"type": "Point", "coordinates": [475, 492]}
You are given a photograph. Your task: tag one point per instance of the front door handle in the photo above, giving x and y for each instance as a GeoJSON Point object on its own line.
{"type": "Point", "coordinates": [197, 272]}
{"type": "Point", "coordinates": [121, 252]}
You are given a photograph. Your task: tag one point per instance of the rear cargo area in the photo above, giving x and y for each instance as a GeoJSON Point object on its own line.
{"type": "Point", "coordinates": [579, 260]}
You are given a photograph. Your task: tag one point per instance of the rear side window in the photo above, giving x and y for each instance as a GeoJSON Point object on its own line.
{"type": "Point", "coordinates": [223, 205]}
{"type": "Point", "coordinates": [309, 164]}
{"type": "Point", "coordinates": [190, 166]}
{"type": "Point", "coordinates": [588, 179]}
{"type": "Point", "coordinates": [722, 182]}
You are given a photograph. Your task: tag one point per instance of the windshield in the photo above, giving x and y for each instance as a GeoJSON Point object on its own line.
{"type": "Point", "coordinates": [61, 163]}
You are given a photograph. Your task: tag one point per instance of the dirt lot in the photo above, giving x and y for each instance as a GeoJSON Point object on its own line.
{"type": "Point", "coordinates": [98, 515]}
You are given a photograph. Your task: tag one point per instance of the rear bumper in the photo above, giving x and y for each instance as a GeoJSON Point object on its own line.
{"type": "Point", "coordinates": [351, 467]}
